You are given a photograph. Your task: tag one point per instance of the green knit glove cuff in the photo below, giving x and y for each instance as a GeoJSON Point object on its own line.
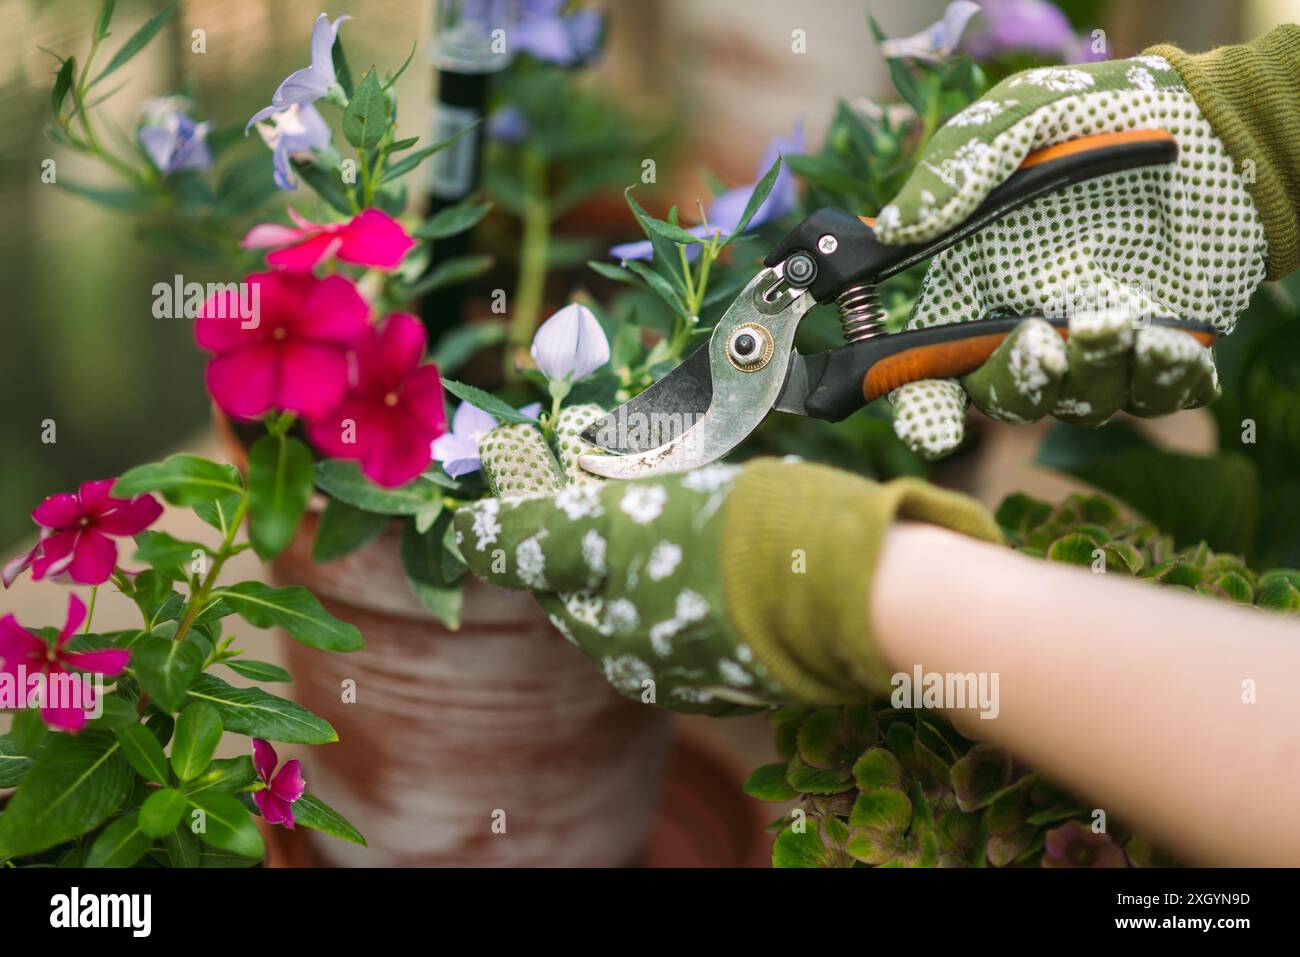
{"type": "Point", "coordinates": [1251, 96]}
{"type": "Point", "coordinates": [798, 555]}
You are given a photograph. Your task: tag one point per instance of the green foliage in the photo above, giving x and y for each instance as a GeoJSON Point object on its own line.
{"type": "Point", "coordinates": [890, 786]}
{"type": "Point", "coordinates": [140, 785]}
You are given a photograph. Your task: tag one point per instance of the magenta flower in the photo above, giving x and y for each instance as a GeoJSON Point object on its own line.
{"type": "Point", "coordinates": [20, 648]}
{"type": "Point", "coordinates": [371, 238]}
{"type": "Point", "coordinates": [390, 418]}
{"type": "Point", "coordinates": [293, 353]}
{"type": "Point", "coordinates": [570, 345]}
{"type": "Point", "coordinates": [77, 533]}
{"type": "Point", "coordinates": [275, 800]}
{"type": "Point", "coordinates": [1074, 844]}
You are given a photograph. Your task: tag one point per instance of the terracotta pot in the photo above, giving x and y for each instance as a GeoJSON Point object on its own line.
{"type": "Point", "coordinates": [500, 722]}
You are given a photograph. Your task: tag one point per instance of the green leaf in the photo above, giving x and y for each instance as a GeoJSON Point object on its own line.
{"type": "Point", "coordinates": [499, 409]}
{"type": "Point", "coordinates": [878, 768]}
{"type": "Point", "coordinates": [121, 844]}
{"type": "Point", "coordinates": [162, 811]}
{"type": "Point", "coordinates": [121, 200]}
{"type": "Point", "coordinates": [198, 732]}
{"type": "Point", "coordinates": [980, 776]}
{"type": "Point", "coordinates": [258, 670]}
{"type": "Point", "coordinates": [343, 480]}
{"type": "Point", "coordinates": [422, 562]}
{"type": "Point", "coordinates": [13, 764]}
{"type": "Point", "coordinates": [170, 556]}
{"type": "Point", "coordinates": [450, 272]}
{"type": "Point", "coordinates": [756, 198]}
{"type": "Point", "coordinates": [103, 20]}
{"type": "Point", "coordinates": [62, 84]}
{"type": "Point", "coordinates": [408, 163]}
{"type": "Point", "coordinates": [768, 784]}
{"type": "Point", "coordinates": [342, 71]}
{"type": "Point", "coordinates": [224, 774]}
{"type": "Point", "coordinates": [226, 824]}
{"type": "Point", "coordinates": [182, 848]}
{"type": "Point", "coordinates": [617, 273]}
{"type": "Point", "coordinates": [454, 219]}
{"type": "Point", "coordinates": [74, 783]}
{"type": "Point", "coordinates": [328, 184]}
{"type": "Point", "coordinates": [819, 738]}
{"type": "Point", "coordinates": [367, 116]}
{"type": "Point", "coordinates": [661, 286]}
{"type": "Point", "coordinates": [182, 479]}
{"type": "Point", "coordinates": [279, 486]}
{"type": "Point", "coordinates": [885, 811]}
{"type": "Point", "coordinates": [1277, 591]}
{"type": "Point", "coordinates": [253, 712]}
{"type": "Point", "coordinates": [165, 668]}
{"type": "Point", "coordinates": [218, 513]}
{"type": "Point", "coordinates": [1213, 498]}
{"type": "Point", "coordinates": [343, 529]}
{"type": "Point", "coordinates": [310, 811]}
{"type": "Point", "coordinates": [294, 609]}
{"type": "Point", "coordinates": [1073, 549]}
{"type": "Point", "coordinates": [811, 780]}
{"type": "Point", "coordinates": [144, 753]}
{"type": "Point", "coordinates": [118, 712]}
{"type": "Point", "coordinates": [457, 346]}
{"type": "Point", "coordinates": [28, 732]}
{"type": "Point", "coordinates": [136, 42]}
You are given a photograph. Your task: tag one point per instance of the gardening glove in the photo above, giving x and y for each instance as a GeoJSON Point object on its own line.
{"type": "Point", "coordinates": [716, 591]}
{"type": "Point", "coordinates": [1190, 241]}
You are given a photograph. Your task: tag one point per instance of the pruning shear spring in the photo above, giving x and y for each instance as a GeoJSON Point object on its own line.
{"type": "Point", "coordinates": [709, 404]}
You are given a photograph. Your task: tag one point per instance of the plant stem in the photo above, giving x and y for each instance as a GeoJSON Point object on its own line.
{"type": "Point", "coordinates": [200, 596]}
{"type": "Point", "coordinates": [90, 611]}
{"type": "Point", "coordinates": [530, 285]}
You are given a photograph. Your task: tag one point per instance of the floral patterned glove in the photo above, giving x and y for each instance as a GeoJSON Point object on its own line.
{"type": "Point", "coordinates": [1183, 241]}
{"type": "Point", "coordinates": [715, 591]}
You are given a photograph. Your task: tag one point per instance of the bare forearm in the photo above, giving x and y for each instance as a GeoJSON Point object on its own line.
{"type": "Point", "coordinates": [1134, 696]}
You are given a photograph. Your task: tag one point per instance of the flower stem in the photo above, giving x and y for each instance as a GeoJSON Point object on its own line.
{"type": "Point", "coordinates": [530, 284]}
{"type": "Point", "coordinates": [90, 610]}
{"type": "Point", "coordinates": [200, 596]}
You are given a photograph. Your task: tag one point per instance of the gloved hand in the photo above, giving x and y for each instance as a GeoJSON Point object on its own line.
{"type": "Point", "coordinates": [714, 591]}
{"type": "Point", "coordinates": [1185, 241]}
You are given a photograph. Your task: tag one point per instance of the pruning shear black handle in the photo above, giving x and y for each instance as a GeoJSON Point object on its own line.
{"type": "Point", "coordinates": [837, 251]}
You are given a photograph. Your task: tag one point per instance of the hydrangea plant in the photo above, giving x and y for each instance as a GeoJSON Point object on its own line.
{"type": "Point", "coordinates": [878, 785]}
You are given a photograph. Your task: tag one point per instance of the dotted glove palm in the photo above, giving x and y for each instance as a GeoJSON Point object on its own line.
{"type": "Point", "coordinates": [1183, 241]}
{"type": "Point", "coordinates": [715, 591]}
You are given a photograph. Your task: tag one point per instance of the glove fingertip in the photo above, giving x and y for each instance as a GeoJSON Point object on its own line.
{"type": "Point", "coordinates": [930, 416]}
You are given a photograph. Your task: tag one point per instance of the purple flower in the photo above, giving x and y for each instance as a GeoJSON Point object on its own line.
{"type": "Point", "coordinates": [1027, 26]}
{"type": "Point", "coordinates": [725, 210]}
{"type": "Point", "coordinates": [304, 87]}
{"type": "Point", "coordinates": [570, 345]}
{"type": "Point", "coordinates": [171, 139]}
{"type": "Point", "coordinates": [295, 132]}
{"type": "Point", "coordinates": [546, 33]}
{"type": "Point", "coordinates": [508, 125]}
{"type": "Point", "coordinates": [458, 450]}
{"type": "Point", "coordinates": [937, 40]}
{"type": "Point", "coordinates": [1074, 844]}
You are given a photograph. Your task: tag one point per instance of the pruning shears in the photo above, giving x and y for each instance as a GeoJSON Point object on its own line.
{"type": "Point", "coordinates": [709, 404]}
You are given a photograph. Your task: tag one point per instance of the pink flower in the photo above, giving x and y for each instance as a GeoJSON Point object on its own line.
{"type": "Point", "coordinates": [394, 412]}
{"type": "Point", "coordinates": [275, 801]}
{"type": "Point", "coordinates": [19, 647]}
{"type": "Point", "coordinates": [371, 238]}
{"type": "Point", "coordinates": [292, 354]}
{"type": "Point", "coordinates": [76, 530]}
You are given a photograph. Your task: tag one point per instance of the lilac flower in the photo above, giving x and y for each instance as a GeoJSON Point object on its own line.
{"type": "Point", "coordinates": [725, 210]}
{"type": "Point", "coordinates": [295, 132]}
{"type": "Point", "coordinates": [304, 87]}
{"type": "Point", "coordinates": [937, 40]}
{"type": "Point", "coordinates": [545, 32]}
{"type": "Point", "coordinates": [508, 125]}
{"type": "Point", "coordinates": [458, 450]}
{"type": "Point", "coordinates": [1027, 26]}
{"type": "Point", "coordinates": [171, 139]}
{"type": "Point", "coordinates": [570, 345]}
